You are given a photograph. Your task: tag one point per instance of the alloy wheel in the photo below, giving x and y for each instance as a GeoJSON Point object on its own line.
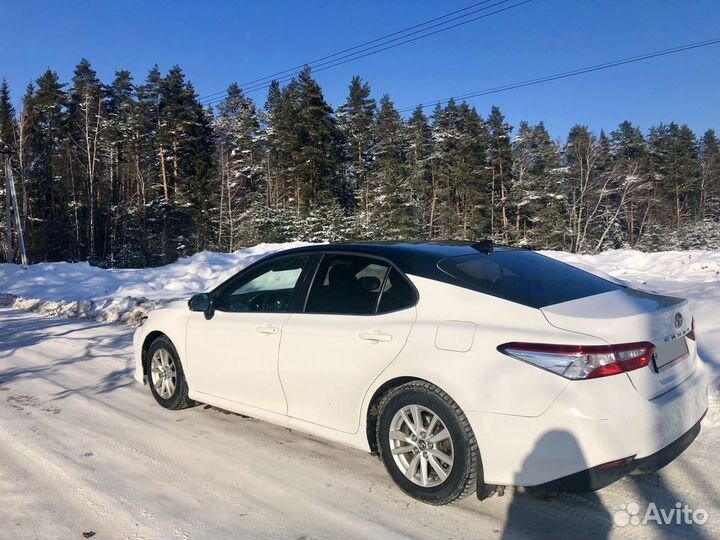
{"type": "Point", "coordinates": [421, 445]}
{"type": "Point", "coordinates": [163, 373]}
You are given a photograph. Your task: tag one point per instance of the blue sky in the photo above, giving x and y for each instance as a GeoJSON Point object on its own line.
{"type": "Point", "coordinates": [217, 42]}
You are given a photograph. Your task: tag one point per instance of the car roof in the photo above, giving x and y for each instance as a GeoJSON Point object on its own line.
{"type": "Point", "coordinates": [418, 258]}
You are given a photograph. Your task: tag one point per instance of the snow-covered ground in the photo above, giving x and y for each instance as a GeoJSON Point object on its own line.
{"type": "Point", "coordinates": [84, 448]}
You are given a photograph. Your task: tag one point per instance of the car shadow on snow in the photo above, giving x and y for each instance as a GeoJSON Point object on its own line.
{"type": "Point", "coordinates": [535, 514]}
{"type": "Point", "coordinates": [618, 511]}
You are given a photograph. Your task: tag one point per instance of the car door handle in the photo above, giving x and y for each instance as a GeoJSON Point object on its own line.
{"type": "Point", "coordinates": [267, 329]}
{"type": "Point", "coordinates": [375, 336]}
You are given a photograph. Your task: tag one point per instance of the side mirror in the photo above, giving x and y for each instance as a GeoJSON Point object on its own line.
{"type": "Point", "coordinates": [200, 302]}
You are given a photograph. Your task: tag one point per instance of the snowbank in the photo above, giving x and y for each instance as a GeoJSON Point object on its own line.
{"type": "Point", "coordinates": [645, 268]}
{"type": "Point", "coordinates": [78, 290]}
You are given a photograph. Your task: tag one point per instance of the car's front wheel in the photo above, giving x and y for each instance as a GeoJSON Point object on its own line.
{"type": "Point", "coordinates": [427, 444]}
{"type": "Point", "coordinates": [165, 375]}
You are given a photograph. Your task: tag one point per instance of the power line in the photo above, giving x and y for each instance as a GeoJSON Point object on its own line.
{"type": "Point", "coordinates": [384, 46]}
{"type": "Point", "coordinates": [566, 74]}
{"type": "Point", "coordinates": [340, 62]}
{"type": "Point", "coordinates": [338, 53]}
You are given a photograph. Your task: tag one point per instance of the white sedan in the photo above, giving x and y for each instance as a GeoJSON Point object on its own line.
{"type": "Point", "coordinates": [466, 367]}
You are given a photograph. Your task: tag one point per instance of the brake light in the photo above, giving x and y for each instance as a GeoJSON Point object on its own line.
{"type": "Point", "coordinates": [691, 334]}
{"type": "Point", "coordinates": [582, 361]}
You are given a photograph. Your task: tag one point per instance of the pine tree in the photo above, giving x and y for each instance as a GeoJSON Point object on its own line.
{"type": "Point", "coordinates": [125, 141]}
{"type": "Point", "coordinates": [7, 137]}
{"type": "Point", "coordinates": [282, 125]}
{"type": "Point", "coordinates": [193, 167]}
{"type": "Point", "coordinates": [7, 116]}
{"type": "Point", "coordinates": [319, 146]}
{"type": "Point", "coordinates": [52, 198]}
{"type": "Point", "coordinates": [709, 186]}
{"type": "Point", "coordinates": [86, 122]}
{"type": "Point", "coordinates": [471, 174]}
{"type": "Point", "coordinates": [460, 207]}
{"type": "Point", "coordinates": [393, 213]}
{"type": "Point", "coordinates": [243, 191]}
{"type": "Point", "coordinates": [584, 158]}
{"type": "Point", "coordinates": [356, 118]}
{"type": "Point", "coordinates": [500, 161]}
{"type": "Point", "coordinates": [631, 184]}
{"type": "Point", "coordinates": [537, 190]}
{"type": "Point", "coordinates": [183, 139]}
{"type": "Point", "coordinates": [154, 146]}
{"type": "Point", "coordinates": [443, 222]}
{"type": "Point", "coordinates": [418, 134]}
{"type": "Point", "coordinates": [673, 157]}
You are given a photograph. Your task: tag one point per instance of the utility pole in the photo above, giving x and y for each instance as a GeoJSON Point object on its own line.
{"type": "Point", "coordinates": [8, 207]}
{"type": "Point", "coordinates": [12, 210]}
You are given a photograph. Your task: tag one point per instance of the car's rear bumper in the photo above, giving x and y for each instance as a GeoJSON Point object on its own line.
{"type": "Point", "coordinates": [589, 425]}
{"type": "Point", "coordinates": [603, 475]}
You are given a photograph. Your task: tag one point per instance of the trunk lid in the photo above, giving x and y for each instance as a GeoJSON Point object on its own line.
{"type": "Point", "coordinates": [628, 315]}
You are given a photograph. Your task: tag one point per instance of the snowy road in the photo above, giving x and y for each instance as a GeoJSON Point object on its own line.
{"type": "Point", "coordinates": [84, 448]}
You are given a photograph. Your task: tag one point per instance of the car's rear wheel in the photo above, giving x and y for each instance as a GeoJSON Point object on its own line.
{"type": "Point", "coordinates": [427, 444]}
{"type": "Point", "coordinates": [165, 375]}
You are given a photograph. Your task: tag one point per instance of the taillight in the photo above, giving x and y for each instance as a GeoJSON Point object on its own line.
{"type": "Point", "coordinates": [582, 361]}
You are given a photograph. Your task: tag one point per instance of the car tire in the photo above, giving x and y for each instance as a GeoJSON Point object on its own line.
{"type": "Point", "coordinates": [445, 445]}
{"type": "Point", "coordinates": [165, 375]}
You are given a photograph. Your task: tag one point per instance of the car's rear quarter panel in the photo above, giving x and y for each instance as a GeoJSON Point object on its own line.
{"type": "Point", "coordinates": [481, 378]}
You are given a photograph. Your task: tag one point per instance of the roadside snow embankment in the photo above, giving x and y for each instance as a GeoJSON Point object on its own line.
{"type": "Point", "coordinates": [78, 290]}
{"type": "Point", "coordinates": [72, 290]}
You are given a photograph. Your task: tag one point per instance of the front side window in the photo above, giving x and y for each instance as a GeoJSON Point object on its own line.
{"type": "Point", "coordinates": [268, 288]}
{"type": "Point", "coordinates": [347, 285]}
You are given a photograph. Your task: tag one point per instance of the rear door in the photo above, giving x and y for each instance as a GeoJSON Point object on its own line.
{"type": "Point", "coordinates": [357, 318]}
{"type": "Point", "coordinates": [628, 315]}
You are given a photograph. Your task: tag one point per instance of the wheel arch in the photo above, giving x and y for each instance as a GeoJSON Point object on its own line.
{"type": "Point", "coordinates": [483, 490]}
{"type": "Point", "coordinates": [398, 378]}
{"type": "Point", "coordinates": [152, 336]}
{"type": "Point", "coordinates": [373, 411]}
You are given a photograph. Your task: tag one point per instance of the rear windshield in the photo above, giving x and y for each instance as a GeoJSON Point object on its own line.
{"type": "Point", "coordinates": [524, 277]}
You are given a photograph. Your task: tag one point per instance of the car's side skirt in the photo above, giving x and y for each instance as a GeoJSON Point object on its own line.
{"type": "Point", "coordinates": [356, 440]}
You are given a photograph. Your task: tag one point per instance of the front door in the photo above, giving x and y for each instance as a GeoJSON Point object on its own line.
{"type": "Point", "coordinates": [234, 354]}
{"type": "Point", "coordinates": [357, 319]}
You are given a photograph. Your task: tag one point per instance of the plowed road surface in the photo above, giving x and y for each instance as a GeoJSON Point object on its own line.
{"type": "Point", "coordinates": [83, 448]}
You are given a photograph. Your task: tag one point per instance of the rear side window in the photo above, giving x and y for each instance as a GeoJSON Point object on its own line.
{"type": "Point", "coordinates": [358, 285]}
{"type": "Point", "coordinates": [397, 293]}
{"type": "Point", "coordinates": [346, 285]}
{"type": "Point", "coordinates": [524, 277]}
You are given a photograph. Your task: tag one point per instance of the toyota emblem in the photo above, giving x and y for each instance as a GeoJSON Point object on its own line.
{"type": "Point", "coordinates": [678, 320]}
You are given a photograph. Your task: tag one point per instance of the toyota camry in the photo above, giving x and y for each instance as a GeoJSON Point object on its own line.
{"type": "Point", "coordinates": [466, 367]}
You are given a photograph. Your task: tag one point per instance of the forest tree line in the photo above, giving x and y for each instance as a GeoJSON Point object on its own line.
{"type": "Point", "coordinates": [138, 173]}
